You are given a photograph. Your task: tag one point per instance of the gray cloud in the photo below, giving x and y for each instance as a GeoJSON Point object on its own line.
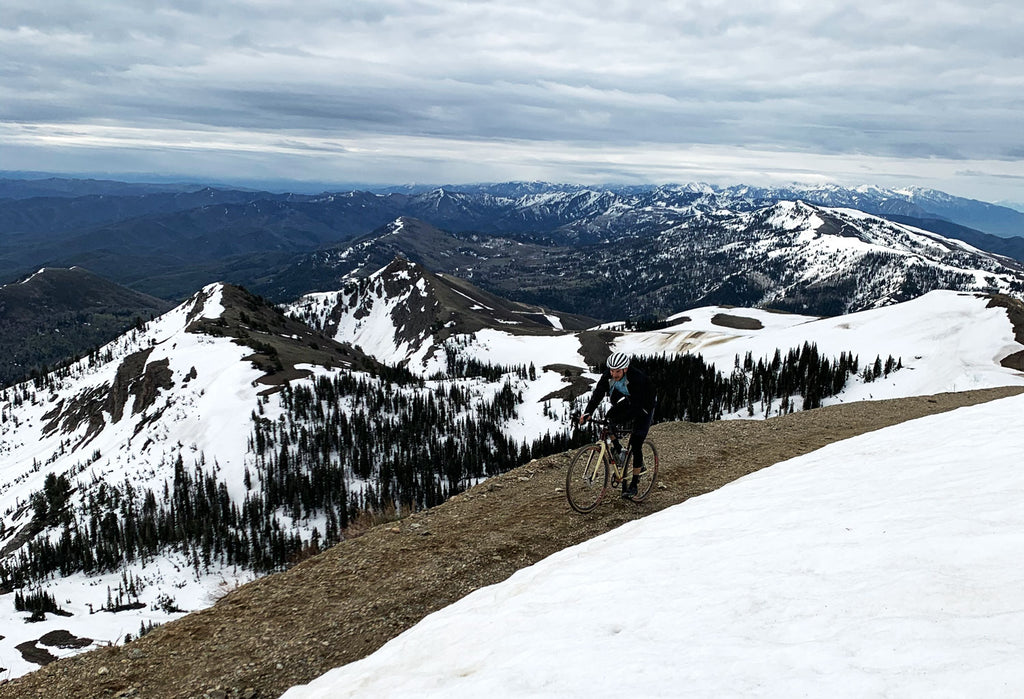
{"type": "Point", "coordinates": [915, 82]}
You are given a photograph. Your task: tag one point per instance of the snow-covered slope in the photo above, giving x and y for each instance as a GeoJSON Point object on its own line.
{"type": "Point", "coordinates": [402, 314]}
{"type": "Point", "coordinates": [124, 475]}
{"type": "Point", "coordinates": [795, 256]}
{"type": "Point", "coordinates": [121, 418]}
{"type": "Point", "coordinates": [884, 565]}
{"type": "Point", "coordinates": [948, 341]}
{"type": "Point", "coordinates": [82, 409]}
{"type": "Point", "coordinates": [164, 446]}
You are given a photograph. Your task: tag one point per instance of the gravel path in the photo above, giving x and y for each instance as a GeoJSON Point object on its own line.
{"type": "Point", "coordinates": [288, 628]}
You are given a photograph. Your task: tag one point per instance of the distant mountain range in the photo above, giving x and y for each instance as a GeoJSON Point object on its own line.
{"type": "Point", "coordinates": [169, 242]}
{"type": "Point", "coordinates": [789, 256]}
{"type": "Point", "coordinates": [614, 253]}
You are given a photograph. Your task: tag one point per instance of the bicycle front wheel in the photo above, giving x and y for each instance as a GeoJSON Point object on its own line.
{"type": "Point", "coordinates": [649, 474]}
{"type": "Point", "coordinates": [587, 479]}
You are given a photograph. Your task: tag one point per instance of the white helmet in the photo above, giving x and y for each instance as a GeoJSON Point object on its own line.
{"type": "Point", "coordinates": [618, 360]}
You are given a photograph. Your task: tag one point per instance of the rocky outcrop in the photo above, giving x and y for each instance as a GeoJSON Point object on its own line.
{"type": "Point", "coordinates": [1015, 312]}
{"type": "Point", "coordinates": [135, 379]}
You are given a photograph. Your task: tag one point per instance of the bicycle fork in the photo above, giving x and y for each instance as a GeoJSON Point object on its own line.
{"type": "Point", "coordinates": [594, 472]}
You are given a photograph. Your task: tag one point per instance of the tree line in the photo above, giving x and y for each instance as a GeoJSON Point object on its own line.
{"type": "Point", "coordinates": [349, 443]}
{"type": "Point", "coordinates": [691, 389]}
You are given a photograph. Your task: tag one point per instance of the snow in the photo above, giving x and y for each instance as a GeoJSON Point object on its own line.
{"type": "Point", "coordinates": [947, 341]}
{"type": "Point", "coordinates": [815, 251]}
{"type": "Point", "coordinates": [555, 321]}
{"type": "Point", "coordinates": [375, 333]}
{"type": "Point", "coordinates": [530, 421]}
{"type": "Point", "coordinates": [701, 318]}
{"type": "Point", "coordinates": [883, 565]}
{"type": "Point", "coordinates": [170, 577]}
{"type": "Point", "coordinates": [506, 349]}
{"type": "Point", "coordinates": [207, 415]}
{"type": "Point", "coordinates": [502, 348]}
{"type": "Point", "coordinates": [33, 276]}
{"type": "Point", "coordinates": [476, 306]}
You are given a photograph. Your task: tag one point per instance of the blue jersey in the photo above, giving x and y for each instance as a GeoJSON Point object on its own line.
{"type": "Point", "coordinates": [621, 386]}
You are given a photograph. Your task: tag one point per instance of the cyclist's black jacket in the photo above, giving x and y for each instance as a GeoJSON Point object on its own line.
{"type": "Point", "coordinates": [641, 393]}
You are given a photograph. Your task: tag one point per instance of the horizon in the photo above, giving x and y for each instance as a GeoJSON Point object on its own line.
{"type": "Point", "coordinates": [284, 186]}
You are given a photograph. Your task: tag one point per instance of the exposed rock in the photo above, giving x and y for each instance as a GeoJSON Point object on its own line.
{"type": "Point", "coordinates": [1015, 312]}
{"type": "Point", "coordinates": [135, 378]}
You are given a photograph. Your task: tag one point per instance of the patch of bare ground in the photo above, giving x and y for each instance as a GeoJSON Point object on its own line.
{"type": "Point", "coordinates": [738, 322]}
{"type": "Point", "coordinates": [341, 605]}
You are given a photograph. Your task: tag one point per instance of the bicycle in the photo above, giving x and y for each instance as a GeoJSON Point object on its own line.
{"type": "Point", "coordinates": [594, 468]}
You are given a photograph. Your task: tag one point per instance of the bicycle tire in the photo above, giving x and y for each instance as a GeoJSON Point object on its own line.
{"type": "Point", "coordinates": [650, 474]}
{"type": "Point", "coordinates": [587, 479]}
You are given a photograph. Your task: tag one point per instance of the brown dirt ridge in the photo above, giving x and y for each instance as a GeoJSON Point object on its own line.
{"type": "Point", "coordinates": [336, 607]}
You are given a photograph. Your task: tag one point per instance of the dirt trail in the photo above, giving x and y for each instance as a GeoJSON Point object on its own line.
{"type": "Point", "coordinates": [334, 608]}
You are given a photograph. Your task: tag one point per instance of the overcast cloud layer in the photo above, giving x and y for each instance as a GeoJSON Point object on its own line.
{"type": "Point", "coordinates": [395, 91]}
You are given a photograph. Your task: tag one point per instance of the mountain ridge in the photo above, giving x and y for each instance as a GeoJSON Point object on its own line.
{"type": "Point", "coordinates": [839, 261]}
{"type": "Point", "coordinates": [265, 637]}
{"type": "Point", "coordinates": [225, 439]}
{"type": "Point", "coordinates": [237, 234]}
{"type": "Point", "coordinates": [404, 310]}
{"type": "Point", "coordinates": [56, 314]}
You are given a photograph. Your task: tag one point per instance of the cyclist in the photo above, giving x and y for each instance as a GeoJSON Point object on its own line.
{"type": "Point", "coordinates": [633, 402]}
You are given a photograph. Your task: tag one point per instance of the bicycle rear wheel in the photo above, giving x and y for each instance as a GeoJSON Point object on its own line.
{"type": "Point", "coordinates": [650, 473]}
{"type": "Point", "coordinates": [587, 479]}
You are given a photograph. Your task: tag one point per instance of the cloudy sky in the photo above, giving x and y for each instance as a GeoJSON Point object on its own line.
{"type": "Point", "coordinates": [399, 91]}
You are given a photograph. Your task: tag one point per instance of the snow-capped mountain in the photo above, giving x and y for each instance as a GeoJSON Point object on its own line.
{"type": "Point", "coordinates": [789, 255]}
{"type": "Point", "coordinates": [125, 476]}
{"type": "Point", "coordinates": [402, 314]}
{"type": "Point", "coordinates": [588, 212]}
{"type": "Point", "coordinates": [982, 216]}
{"type": "Point", "coordinates": [410, 238]}
{"type": "Point", "coordinates": [796, 256]}
{"type": "Point", "coordinates": [226, 439]}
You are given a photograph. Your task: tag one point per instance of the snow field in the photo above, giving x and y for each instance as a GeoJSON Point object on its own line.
{"type": "Point", "coordinates": [883, 565]}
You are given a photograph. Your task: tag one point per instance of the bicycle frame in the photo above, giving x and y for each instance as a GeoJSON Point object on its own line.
{"type": "Point", "coordinates": [592, 470]}
{"type": "Point", "coordinates": [608, 433]}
